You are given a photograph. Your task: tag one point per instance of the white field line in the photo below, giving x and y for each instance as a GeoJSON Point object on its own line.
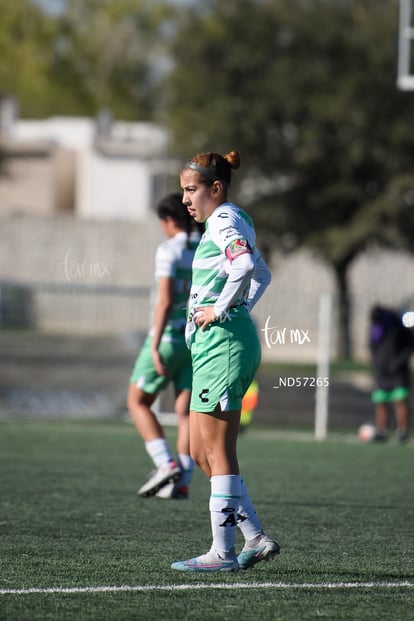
{"type": "Point", "coordinates": [219, 585]}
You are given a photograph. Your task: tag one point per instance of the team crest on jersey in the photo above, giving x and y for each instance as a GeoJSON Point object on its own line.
{"type": "Point", "coordinates": [237, 247]}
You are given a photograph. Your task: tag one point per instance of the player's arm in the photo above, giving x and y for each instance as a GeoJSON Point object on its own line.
{"type": "Point", "coordinates": [162, 312]}
{"type": "Point", "coordinates": [242, 264]}
{"type": "Point", "coordinates": [260, 281]}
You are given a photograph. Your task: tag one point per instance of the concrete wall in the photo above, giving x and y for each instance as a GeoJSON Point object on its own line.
{"type": "Point", "coordinates": [78, 270]}
{"type": "Point", "coordinates": [63, 249]}
{"type": "Point", "coordinates": [26, 184]}
{"type": "Point", "coordinates": [68, 251]}
{"type": "Point", "coordinates": [294, 297]}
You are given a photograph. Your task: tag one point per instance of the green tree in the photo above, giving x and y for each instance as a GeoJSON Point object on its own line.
{"type": "Point", "coordinates": [307, 92]}
{"type": "Point", "coordinates": [26, 35]}
{"type": "Point", "coordinates": [109, 54]}
{"type": "Point", "coordinates": [85, 56]}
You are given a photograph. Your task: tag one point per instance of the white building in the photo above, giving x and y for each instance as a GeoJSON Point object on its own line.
{"type": "Point", "coordinates": [99, 169]}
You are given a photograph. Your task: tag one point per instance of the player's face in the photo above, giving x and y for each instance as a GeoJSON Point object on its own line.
{"type": "Point", "coordinates": [168, 226]}
{"type": "Point", "coordinates": [199, 198]}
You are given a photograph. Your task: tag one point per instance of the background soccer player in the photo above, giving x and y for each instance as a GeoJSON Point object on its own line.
{"type": "Point", "coordinates": [165, 357]}
{"type": "Point", "coordinates": [391, 346]}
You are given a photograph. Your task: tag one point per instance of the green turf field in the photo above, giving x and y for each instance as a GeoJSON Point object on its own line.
{"type": "Point", "coordinates": [73, 530]}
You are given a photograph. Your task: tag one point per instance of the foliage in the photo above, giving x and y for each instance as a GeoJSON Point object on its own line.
{"type": "Point", "coordinates": [108, 49]}
{"type": "Point", "coordinates": [86, 56]}
{"type": "Point", "coordinates": [25, 39]}
{"type": "Point", "coordinates": [307, 92]}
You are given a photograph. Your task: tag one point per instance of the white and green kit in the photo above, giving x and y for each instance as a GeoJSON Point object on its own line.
{"type": "Point", "coordinates": [229, 274]}
{"type": "Point", "coordinates": [173, 259]}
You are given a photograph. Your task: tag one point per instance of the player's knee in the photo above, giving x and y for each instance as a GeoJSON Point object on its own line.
{"type": "Point", "coordinates": [137, 398]}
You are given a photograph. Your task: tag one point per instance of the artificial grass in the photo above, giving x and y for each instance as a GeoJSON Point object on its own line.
{"type": "Point", "coordinates": [342, 512]}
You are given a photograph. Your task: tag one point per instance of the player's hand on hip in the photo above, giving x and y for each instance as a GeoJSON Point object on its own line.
{"type": "Point", "coordinates": [204, 316]}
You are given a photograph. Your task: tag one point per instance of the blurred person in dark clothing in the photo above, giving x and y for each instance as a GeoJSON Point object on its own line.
{"type": "Point", "coordinates": [391, 346]}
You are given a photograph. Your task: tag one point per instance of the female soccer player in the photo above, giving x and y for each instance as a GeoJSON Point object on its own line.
{"type": "Point", "coordinates": [229, 276]}
{"type": "Point", "coordinates": [165, 356]}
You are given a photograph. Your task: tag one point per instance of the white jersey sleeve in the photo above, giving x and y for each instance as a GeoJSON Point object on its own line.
{"type": "Point", "coordinates": [233, 232]}
{"type": "Point", "coordinates": [260, 280]}
{"type": "Point", "coordinates": [228, 223]}
{"type": "Point", "coordinates": [237, 282]}
{"type": "Point", "coordinates": [165, 261]}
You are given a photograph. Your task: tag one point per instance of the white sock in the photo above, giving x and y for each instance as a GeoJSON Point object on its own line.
{"type": "Point", "coordinates": [224, 500]}
{"type": "Point", "coordinates": [187, 467]}
{"type": "Point", "coordinates": [247, 519]}
{"type": "Point", "coordinates": [159, 451]}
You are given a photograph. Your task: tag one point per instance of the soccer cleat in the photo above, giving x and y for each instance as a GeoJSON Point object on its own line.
{"type": "Point", "coordinates": [173, 491]}
{"type": "Point", "coordinates": [159, 477]}
{"type": "Point", "coordinates": [212, 561]}
{"type": "Point", "coordinates": [402, 436]}
{"type": "Point", "coordinates": [260, 549]}
{"type": "Point", "coordinates": [380, 436]}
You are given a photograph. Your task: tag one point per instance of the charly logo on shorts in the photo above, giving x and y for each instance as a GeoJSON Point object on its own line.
{"type": "Point", "coordinates": [201, 396]}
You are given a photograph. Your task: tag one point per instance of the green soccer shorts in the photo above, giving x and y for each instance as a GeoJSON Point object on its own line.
{"type": "Point", "coordinates": [386, 396]}
{"type": "Point", "coordinates": [225, 359]}
{"type": "Point", "coordinates": [175, 355]}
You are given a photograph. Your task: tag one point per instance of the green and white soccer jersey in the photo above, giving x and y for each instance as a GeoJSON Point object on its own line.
{"type": "Point", "coordinates": [226, 355]}
{"type": "Point", "coordinates": [173, 259]}
{"type": "Point", "coordinates": [226, 224]}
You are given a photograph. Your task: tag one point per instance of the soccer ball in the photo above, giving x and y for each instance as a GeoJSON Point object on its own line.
{"type": "Point", "coordinates": [366, 432]}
